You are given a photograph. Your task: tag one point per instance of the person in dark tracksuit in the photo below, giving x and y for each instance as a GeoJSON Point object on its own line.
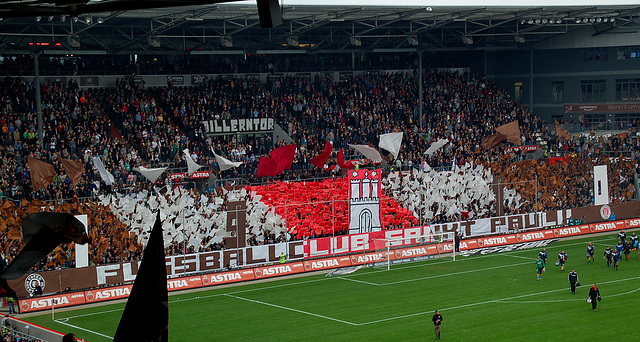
{"type": "Point", "coordinates": [594, 295]}
{"type": "Point", "coordinates": [608, 255]}
{"type": "Point", "coordinates": [573, 280]}
{"type": "Point", "coordinates": [437, 321]}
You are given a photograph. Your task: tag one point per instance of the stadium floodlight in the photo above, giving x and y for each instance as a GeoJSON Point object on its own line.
{"type": "Point", "coordinates": [518, 38]}
{"type": "Point", "coordinates": [467, 40]}
{"type": "Point", "coordinates": [355, 41]}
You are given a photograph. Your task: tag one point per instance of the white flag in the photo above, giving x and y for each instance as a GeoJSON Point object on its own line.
{"type": "Point", "coordinates": [436, 146]}
{"type": "Point", "coordinates": [391, 142]}
{"type": "Point", "coordinates": [192, 166]}
{"type": "Point", "coordinates": [107, 177]}
{"type": "Point", "coordinates": [224, 163]}
{"type": "Point", "coordinates": [151, 174]}
{"type": "Point", "coordinates": [369, 152]}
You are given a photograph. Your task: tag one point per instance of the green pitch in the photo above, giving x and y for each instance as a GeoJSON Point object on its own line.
{"type": "Point", "coordinates": [492, 297]}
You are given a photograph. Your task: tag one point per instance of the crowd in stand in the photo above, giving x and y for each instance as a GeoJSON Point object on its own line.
{"type": "Point", "coordinates": [132, 125]}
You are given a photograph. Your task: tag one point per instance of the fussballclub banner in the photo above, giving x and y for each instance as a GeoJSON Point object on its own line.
{"type": "Point", "coordinates": [365, 187]}
{"type": "Point", "coordinates": [420, 251]}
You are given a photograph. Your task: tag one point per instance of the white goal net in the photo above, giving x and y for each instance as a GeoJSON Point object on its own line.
{"type": "Point", "coordinates": [384, 252]}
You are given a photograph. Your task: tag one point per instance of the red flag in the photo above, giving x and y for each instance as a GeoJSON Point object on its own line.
{"type": "Point", "coordinates": [348, 165]}
{"type": "Point", "coordinates": [267, 167]}
{"type": "Point", "coordinates": [42, 173]}
{"type": "Point", "coordinates": [283, 157]}
{"type": "Point", "coordinates": [321, 159]}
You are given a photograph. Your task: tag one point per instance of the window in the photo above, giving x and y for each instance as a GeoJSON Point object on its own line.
{"type": "Point", "coordinates": [518, 91]}
{"type": "Point", "coordinates": [628, 89]}
{"type": "Point", "coordinates": [593, 91]}
{"type": "Point", "coordinates": [557, 92]}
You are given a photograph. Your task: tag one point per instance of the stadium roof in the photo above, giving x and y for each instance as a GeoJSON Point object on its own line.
{"type": "Point", "coordinates": [212, 27]}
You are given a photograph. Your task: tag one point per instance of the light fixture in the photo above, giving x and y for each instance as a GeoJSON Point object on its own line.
{"type": "Point", "coordinates": [429, 9]}
{"type": "Point", "coordinates": [413, 40]}
{"type": "Point", "coordinates": [585, 20]}
{"type": "Point", "coordinates": [544, 21]}
{"type": "Point", "coordinates": [612, 19]}
{"type": "Point", "coordinates": [153, 41]}
{"type": "Point", "coordinates": [73, 41]}
{"type": "Point", "coordinates": [605, 19]}
{"type": "Point", "coordinates": [530, 21]}
{"type": "Point", "coordinates": [578, 21]}
{"type": "Point", "coordinates": [518, 38]}
{"type": "Point", "coordinates": [63, 18]}
{"type": "Point", "coordinates": [100, 20]}
{"type": "Point", "coordinates": [355, 41]}
{"type": "Point", "coordinates": [522, 22]}
{"type": "Point", "coordinates": [591, 20]}
{"type": "Point", "coordinates": [537, 21]}
{"type": "Point", "coordinates": [598, 20]}
{"type": "Point", "coordinates": [38, 19]}
{"type": "Point", "coordinates": [293, 41]}
{"type": "Point", "coordinates": [75, 19]}
{"type": "Point", "coordinates": [467, 40]}
{"type": "Point", "coordinates": [226, 41]}
{"type": "Point", "coordinates": [50, 18]}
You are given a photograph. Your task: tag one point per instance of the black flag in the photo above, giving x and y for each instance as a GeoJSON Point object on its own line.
{"type": "Point", "coordinates": [42, 233]}
{"type": "Point", "coordinates": [149, 299]}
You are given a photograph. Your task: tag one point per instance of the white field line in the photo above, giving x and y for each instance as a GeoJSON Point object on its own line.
{"type": "Point", "coordinates": [83, 329]}
{"type": "Point", "coordinates": [291, 309]}
{"type": "Point", "coordinates": [360, 281]}
{"type": "Point", "coordinates": [346, 277]}
{"type": "Point", "coordinates": [498, 300]}
{"type": "Point", "coordinates": [521, 257]}
{"type": "Point", "coordinates": [457, 273]}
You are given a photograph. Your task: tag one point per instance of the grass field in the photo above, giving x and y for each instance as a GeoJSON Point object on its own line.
{"type": "Point", "coordinates": [491, 297]}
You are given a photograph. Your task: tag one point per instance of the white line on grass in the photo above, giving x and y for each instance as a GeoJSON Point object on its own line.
{"type": "Point", "coordinates": [499, 300]}
{"type": "Point", "coordinates": [352, 275]}
{"type": "Point", "coordinates": [455, 273]}
{"type": "Point", "coordinates": [361, 281]}
{"type": "Point", "coordinates": [83, 329]}
{"type": "Point", "coordinates": [521, 257]}
{"type": "Point", "coordinates": [291, 309]}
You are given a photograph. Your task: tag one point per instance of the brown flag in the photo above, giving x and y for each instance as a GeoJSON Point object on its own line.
{"type": "Point", "coordinates": [74, 170]}
{"type": "Point", "coordinates": [561, 132]}
{"type": "Point", "coordinates": [493, 140]}
{"type": "Point", "coordinates": [512, 131]}
{"type": "Point", "coordinates": [42, 173]}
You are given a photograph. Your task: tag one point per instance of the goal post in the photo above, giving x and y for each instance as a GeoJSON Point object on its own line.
{"type": "Point", "coordinates": [383, 252]}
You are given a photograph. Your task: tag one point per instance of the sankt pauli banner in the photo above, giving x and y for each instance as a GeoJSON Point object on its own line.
{"type": "Point", "coordinates": [296, 267]}
{"type": "Point", "coordinates": [208, 262]}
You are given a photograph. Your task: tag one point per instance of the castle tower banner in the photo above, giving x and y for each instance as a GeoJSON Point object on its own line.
{"type": "Point", "coordinates": [364, 201]}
